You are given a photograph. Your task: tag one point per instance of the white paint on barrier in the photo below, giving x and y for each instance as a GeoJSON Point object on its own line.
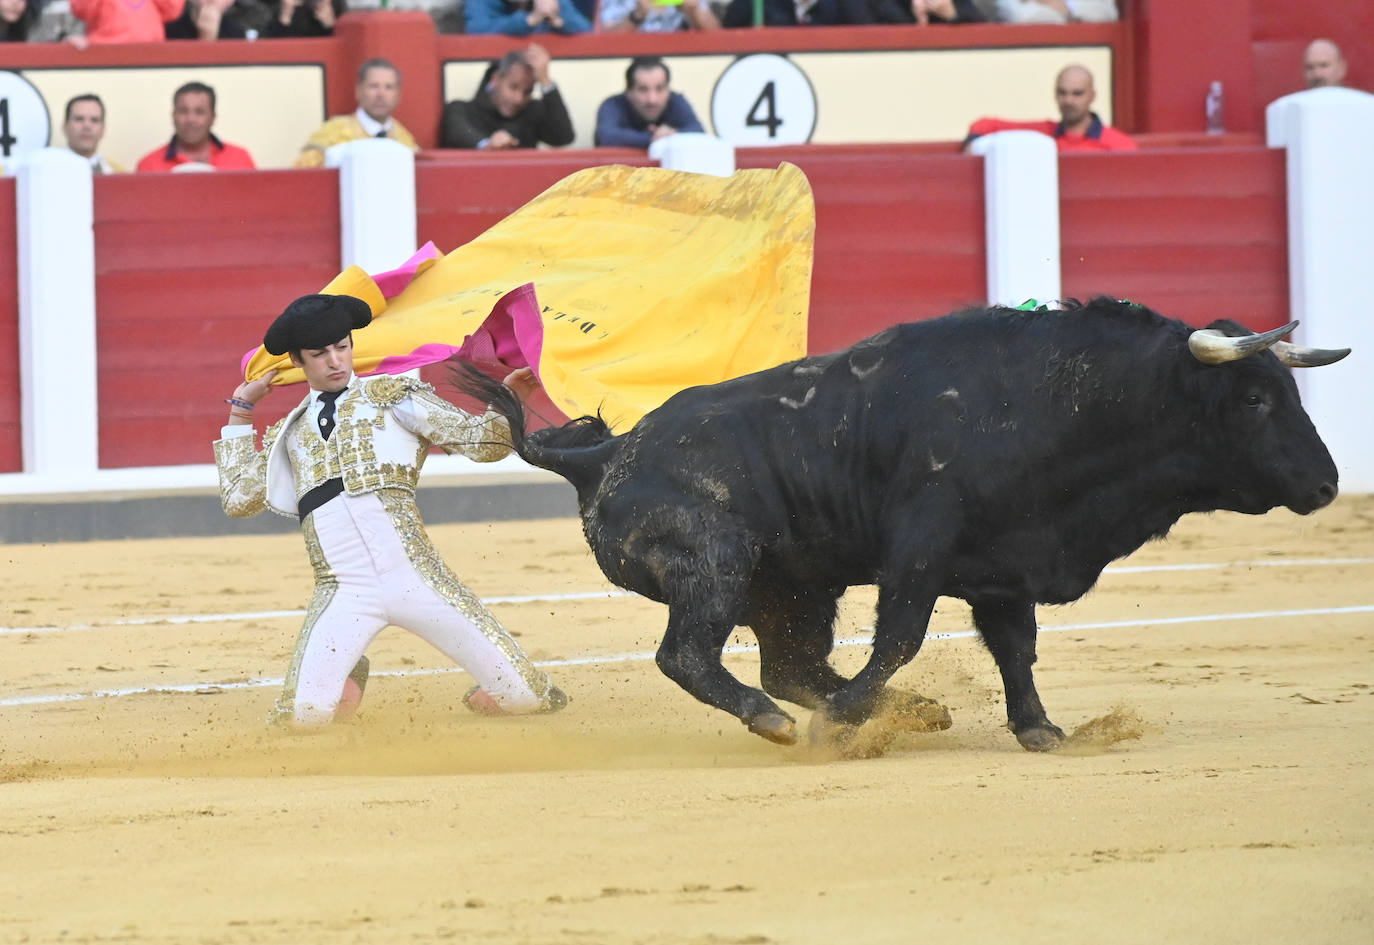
{"type": "Point", "coordinates": [644, 656]}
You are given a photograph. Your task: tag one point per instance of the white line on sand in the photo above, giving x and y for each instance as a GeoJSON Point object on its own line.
{"type": "Point", "coordinates": [209, 688]}
{"type": "Point", "coordinates": [178, 620]}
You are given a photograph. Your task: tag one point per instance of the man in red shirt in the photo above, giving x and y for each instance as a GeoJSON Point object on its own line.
{"type": "Point", "coordinates": [193, 114]}
{"type": "Point", "coordinates": [1078, 128]}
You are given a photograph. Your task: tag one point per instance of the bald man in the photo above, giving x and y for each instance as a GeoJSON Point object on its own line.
{"type": "Point", "coordinates": [1078, 129]}
{"type": "Point", "coordinates": [1322, 64]}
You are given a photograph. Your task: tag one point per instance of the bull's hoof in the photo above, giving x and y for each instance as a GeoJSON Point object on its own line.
{"type": "Point", "coordinates": [1041, 738]}
{"type": "Point", "coordinates": [912, 712]}
{"type": "Point", "coordinates": [775, 727]}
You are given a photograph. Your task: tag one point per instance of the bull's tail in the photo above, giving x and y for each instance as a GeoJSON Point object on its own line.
{"type": "Point", "coordinates": [578, 451]}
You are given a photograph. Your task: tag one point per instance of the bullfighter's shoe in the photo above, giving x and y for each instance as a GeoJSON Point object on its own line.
{"type": "Point", "coordinates": [484, 703]}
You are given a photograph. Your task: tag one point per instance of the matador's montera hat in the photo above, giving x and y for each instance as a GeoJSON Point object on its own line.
{"type": "Point", "coordinates": [316, 321]}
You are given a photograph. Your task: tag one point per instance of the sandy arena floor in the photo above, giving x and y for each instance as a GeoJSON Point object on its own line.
{"type": "Point", "coordinates": [1241, 652]}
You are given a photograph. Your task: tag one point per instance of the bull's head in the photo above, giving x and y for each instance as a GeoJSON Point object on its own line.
{"type": "Point", "coordinates": [1274, 454]}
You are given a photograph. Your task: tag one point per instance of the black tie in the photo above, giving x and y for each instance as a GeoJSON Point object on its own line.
{"type": "Point", "coordinates": [327, 414]}
{"type": "Point", "coordinates": [382, 133]}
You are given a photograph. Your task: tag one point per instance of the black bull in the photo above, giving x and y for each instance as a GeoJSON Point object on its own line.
{"type": "Point", "coordinates": [995, 455]}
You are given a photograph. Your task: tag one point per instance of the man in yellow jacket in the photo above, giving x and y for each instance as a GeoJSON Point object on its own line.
{"type": "Point", "coordinates": [379, 92]}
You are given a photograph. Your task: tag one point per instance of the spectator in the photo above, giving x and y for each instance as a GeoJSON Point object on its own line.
{"type": "Point", "coordinates": [1322, 64]}
{"type": "Point", "coordinates": [115, 21]}
{"type": "Point", "coordinates": [304, 18]}
{"type": "Point", "coordinates": [193, 143]}
{"type": "Point", "coordinates": [1078, 128]}
{"type": "Point", "coordinates": [84, 126]}
{"type": "Point", "coordinates": [378, 94]}
{"type": "Point", "coordinates": [1056, 11]}
{"type": "Point", "coordinates": [207, 19]}
{"type": "Point", "coordinates": [649, 16]}
{"type": "Point", "coordinates": [798, 13]}
{"type": "Point", "coordinates": [924, 12]}
{"type": "Point", "coordinates": [646, 111]}
{"type": "Point", "coordinates": [502, 115]}
{"type": "Point", "coordinates": [17, 19]}
{"type": "Point", "coordinates": [523, 17]}
{"type": "Point", "coordinates": [852, 12]}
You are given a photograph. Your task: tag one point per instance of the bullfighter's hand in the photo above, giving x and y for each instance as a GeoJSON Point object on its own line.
{"type": "Point", "coordinates": [255, 390]}
{"type": "Point", "coordinates": [522, 383]}
{"type": "Point", "coordinates": [502, 140]}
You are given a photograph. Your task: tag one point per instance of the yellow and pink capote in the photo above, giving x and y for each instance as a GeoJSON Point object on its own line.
{"type": "Point", "coordinates": [648, 281]}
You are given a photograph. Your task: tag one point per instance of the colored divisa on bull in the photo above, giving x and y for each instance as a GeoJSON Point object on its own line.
{"type": "Point", "coordinates": [996, 455]}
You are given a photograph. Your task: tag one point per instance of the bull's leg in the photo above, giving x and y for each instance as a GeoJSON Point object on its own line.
{"type": "Point", "coordinates": [1008, 630]}
{"type": "Point", "coordinates": [795, 629]}
{"type": "Point", "coordinates": [904, 610]}
{"type": "Point", "coordinates": [690, 656]}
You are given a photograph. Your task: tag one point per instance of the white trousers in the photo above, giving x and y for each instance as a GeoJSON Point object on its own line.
{"type": "Point", "coordinates": [374, 566]}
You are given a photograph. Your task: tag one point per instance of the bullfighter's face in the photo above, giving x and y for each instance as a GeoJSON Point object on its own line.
{"type": "Point", "coordinates": [328, 368]}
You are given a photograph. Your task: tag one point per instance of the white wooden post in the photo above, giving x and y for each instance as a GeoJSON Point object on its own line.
{"type": "Point", "coordinates": [1329, 134]}
{"type": "Point", "coordinates": [1021, 197]}
{"type": "Point", "coordinates": [57, 351]}
{"type": "Point", "coordinates": [376, 202]}
{"type": "Point", "coordinates": [695, 152]}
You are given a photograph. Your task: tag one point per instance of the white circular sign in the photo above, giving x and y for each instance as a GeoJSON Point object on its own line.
{"type": "Point", "coordinates": [24, 122]}
{"type": "Point", "coordinates": [763, 99]}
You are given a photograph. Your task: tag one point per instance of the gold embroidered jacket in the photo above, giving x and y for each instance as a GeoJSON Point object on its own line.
{"type": "Point", "coordinates": [386, 426]}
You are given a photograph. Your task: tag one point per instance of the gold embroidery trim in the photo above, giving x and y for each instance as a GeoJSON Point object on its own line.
{"type": "Point", "coordinates": [326, 584]}
{"type": "Point", "coordinates": [423, 557]}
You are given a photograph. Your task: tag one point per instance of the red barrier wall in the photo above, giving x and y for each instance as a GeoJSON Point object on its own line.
{"type": "Point", "coordinates": [899, 236]}
{"type": "Point", "coordinates": [1197, 234]}
{"type": "Point", "coordinates": [190, 269]}
{"type": "Point", "coordinates": [11, 444]}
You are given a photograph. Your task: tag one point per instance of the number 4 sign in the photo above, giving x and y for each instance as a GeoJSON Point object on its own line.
{"type": "Point", "coordinates": [24, 122]}
{"type": "Point", "coordinates": [763, 99]}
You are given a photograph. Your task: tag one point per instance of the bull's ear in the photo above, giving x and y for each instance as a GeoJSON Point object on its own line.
{"type": "Point", "coordinates": [1215, 346]}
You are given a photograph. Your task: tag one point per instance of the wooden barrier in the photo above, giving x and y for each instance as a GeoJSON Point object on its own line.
{"type": "Point", "coordinates": [1198, 233]}
{"type": "Point", "coordinates": [190, 267]}
{"type": "Point", "coordinates": [11, 443]}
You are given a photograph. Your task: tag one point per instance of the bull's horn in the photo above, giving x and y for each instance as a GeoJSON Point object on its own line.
{"type": "Point", "coordinates": [1299, 356]}
{"type": "Point", "coordinates": [1212, 347]}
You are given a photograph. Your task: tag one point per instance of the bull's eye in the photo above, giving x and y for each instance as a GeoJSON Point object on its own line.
{"type": "Point", "coordinates": [1253, 400]}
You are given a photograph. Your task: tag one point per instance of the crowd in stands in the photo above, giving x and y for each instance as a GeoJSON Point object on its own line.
{"type": "Point", "coordinates": [504, 112]}
{"type": "Point", "coordinates": [115, 21]}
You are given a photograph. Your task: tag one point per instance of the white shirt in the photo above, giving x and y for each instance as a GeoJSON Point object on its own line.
{"type": "Point", "coordinates": [371, 126]}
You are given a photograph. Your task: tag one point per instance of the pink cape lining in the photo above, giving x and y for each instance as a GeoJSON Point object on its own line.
{"type": "Point", "coordinates": [511, 337]}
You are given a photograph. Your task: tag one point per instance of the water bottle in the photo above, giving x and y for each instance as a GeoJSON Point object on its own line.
{"type": "Point", "coordinates": [1216, 122]}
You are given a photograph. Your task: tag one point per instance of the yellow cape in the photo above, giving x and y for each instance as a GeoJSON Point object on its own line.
{"type": "Point", "coordinates": [648, 280]}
